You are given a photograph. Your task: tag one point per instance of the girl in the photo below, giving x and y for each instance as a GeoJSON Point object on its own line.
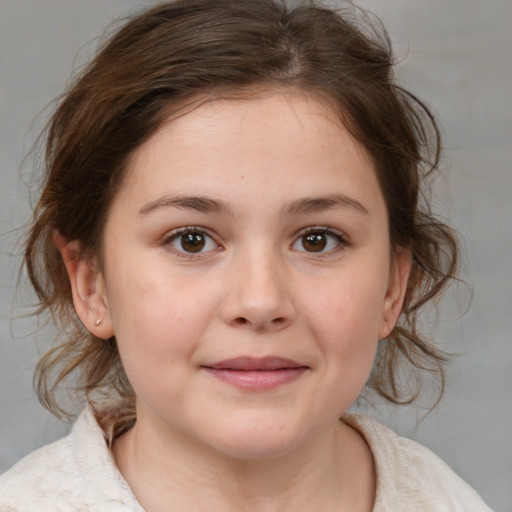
{"type": "Point", "coordinates": [231, 237]}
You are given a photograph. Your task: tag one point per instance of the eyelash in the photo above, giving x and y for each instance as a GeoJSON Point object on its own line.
{"type": "Point", "coordinates": [340, 238]}
{"type": "Point", "coordinates": [176, 234]}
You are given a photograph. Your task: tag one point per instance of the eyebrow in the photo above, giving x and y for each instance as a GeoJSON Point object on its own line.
{"type": "Point", "coordinates": [316, 204]}
{"type": "Point", "coordinates": [200, 204]}
{"type": "Point", "coordinates": [215, 206]}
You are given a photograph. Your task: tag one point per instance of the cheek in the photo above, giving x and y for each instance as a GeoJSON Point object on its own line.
{"type": "Point", "coordinates": [158, 318]}
{"type": "Point", "coordinates": [345, 319]}
{"type": "Point", "coordinates": [349, 304]}
{"type": "Point", "coordinates": [155, 342]}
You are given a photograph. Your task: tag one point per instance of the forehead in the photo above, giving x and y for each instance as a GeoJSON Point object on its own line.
{"type": "Point", "coordinates": [278, 142]}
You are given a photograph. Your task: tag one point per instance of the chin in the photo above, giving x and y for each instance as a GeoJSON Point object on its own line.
{"type": "Point", "coordinates": [258, 439]}
{"type": "Point", "coordinates": [257, 448]}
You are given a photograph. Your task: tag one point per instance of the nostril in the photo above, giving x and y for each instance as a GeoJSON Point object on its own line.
{"type": "Point", "coordinates": [272, 323]}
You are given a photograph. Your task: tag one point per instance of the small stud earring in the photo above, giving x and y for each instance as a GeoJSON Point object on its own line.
{"type": "Point", "coordinates": [98, 322]}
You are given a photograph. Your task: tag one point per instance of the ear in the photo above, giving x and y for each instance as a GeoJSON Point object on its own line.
{"type": "Point", "coordinates": [87, 286]}
{"type": "Point", "coordinates": [395, 294]}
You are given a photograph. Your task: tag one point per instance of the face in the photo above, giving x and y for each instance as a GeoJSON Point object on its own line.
{"type": "Point", "coordinates": [247, 274]}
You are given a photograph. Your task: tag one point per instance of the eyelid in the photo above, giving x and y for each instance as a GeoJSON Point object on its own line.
{"type": "Point", "coordinates": [176, 233]}
{"type": "Point", "coordinates": [341, 237]}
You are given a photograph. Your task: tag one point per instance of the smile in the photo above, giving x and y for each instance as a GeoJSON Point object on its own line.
{"type": "Point", "coordinates": [253, 374]}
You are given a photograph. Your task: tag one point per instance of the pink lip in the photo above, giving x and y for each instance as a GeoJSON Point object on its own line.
{"type": "Point", "coordinates": [256, 374]}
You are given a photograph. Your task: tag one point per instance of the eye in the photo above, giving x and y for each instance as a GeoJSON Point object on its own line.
{"type": "Point", "coordinates": [191, 240]}
{"type": "Point", "coordinates": [319, 240]}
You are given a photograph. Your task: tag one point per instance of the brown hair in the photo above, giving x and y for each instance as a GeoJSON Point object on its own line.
{"type": "Point", "coordinates": [178, 49]}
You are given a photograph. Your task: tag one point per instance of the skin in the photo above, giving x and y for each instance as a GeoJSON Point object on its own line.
{"type": "Point", "coordinates": [255, 289]}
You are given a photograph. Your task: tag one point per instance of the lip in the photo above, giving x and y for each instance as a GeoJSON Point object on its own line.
{"type": "Point", "coordinates": [256, 374]}
{"type": "Point", "coordinates": [247, 363]}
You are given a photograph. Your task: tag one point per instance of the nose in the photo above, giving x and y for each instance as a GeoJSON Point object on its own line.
{"type": "Point", "coordinates": [259, 294]}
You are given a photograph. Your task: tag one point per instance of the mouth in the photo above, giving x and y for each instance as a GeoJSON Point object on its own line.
{"type": "Point", "coordinates": [256, 374]}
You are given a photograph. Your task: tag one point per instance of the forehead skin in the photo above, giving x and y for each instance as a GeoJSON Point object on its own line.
{"type": "Point", "coordinates": [313, 133]}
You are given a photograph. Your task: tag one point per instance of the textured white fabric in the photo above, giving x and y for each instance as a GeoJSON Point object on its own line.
{"type": "Point", "coordinates": [78, 474]}
{"type": "Point", "coordinates": [410, 477]}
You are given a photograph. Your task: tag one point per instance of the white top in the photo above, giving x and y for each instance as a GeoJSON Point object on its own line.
{"type": "Point", "coordinates": [78, 473]}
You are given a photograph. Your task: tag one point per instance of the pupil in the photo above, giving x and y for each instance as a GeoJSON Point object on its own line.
{"type": "Point", "coordinates": [192, 242]}
{"type": "Point", "coordinates": [314, 242]}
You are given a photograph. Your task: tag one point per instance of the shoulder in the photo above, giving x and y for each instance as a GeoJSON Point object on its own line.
{"type": "Point", "coordinates": [75, 473]}
{"type": "Point", "coordinates": [411, 476]}
{"type": "Point", "coordinates": [46, 472]}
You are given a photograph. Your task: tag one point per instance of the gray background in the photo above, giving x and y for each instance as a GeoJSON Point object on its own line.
{"type": "Point", "coordinates": [457, 55]}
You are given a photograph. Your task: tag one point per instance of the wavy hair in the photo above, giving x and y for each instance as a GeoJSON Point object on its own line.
{"type": "Point", "coordinates": [178, 49]}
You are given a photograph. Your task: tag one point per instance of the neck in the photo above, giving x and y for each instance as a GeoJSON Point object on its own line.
{"type": "Point", "coordinates": [333, 471]}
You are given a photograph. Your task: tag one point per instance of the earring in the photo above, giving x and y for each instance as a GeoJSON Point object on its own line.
{"type": "Point", "coordinates": [98, 322]}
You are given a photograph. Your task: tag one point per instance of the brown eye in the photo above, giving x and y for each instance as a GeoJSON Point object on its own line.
{"type": "Point", "coordinates": [191, 242]}
{"type": "Point", "coordinates": [314, 242]}
{"type": "Point", "coordinates": [319, 240]}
